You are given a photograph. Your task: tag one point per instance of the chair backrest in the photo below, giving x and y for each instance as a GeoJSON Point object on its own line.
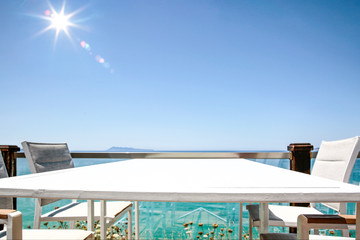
{"type": "Point", "coordinates": [5, 203]}
{"type": "Point", "coordinates": [44, 157]}
{"type": "Point", "coordinates": [335, 160]}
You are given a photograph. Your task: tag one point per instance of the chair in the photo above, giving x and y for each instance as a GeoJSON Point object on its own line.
{"type": "Point", "coordinates": [335, 160]}
{"type": "Point", "coordinates": [43, 157]}
{"type": "Point", "coordinates": [13, 221]}
{"type": "Point", "coordinates": [306, 222]}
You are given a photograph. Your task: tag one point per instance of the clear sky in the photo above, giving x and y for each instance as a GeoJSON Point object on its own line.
{"type": "Point", "coordinates": [180, 74]}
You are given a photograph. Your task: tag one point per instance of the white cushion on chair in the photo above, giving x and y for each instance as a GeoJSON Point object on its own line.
{"type": "Point", "coordinates": [78, 211]}
{"type": "Point", "coordinates": [281, 215]}
{"type": "Point", "coordinates": [54, 234]}
{"type": "Point", "coordinates": [315, 237]}
{"type": "Point", "coordinates": [291, 236]}
{"type": "Point", "coordinates": [289, 214]}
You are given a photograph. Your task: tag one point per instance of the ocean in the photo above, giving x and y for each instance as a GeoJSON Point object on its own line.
{"type": "Point", "coordinates": [165, 220]}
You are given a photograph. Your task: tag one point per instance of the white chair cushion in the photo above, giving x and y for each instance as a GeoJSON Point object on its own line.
{"type": "Point", "coordinates": [280, 215]}
{"type": "Point", "coordinates": [78, 211]}
{"type": "Point", "coordinates": [53, 234]}
{"type": "Point", "coordinates": [291, 236]}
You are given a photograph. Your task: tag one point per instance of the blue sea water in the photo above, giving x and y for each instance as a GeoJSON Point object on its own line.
{"type": "Point", "coordinates": [164, 220]}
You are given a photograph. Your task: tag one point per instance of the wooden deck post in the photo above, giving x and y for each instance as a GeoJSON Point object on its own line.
{"type": "Point", "coordinates": [300, 157]}
{"type": "Point", "coordinates": [8, 154]}
{"type": "Point", "coordinates": [300, 161]}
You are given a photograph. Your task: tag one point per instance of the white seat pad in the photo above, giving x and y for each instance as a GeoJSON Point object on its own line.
{"type": "Point", "coordinates": [78, 211]}
{"type": "Point", "coordinates": [284, 216]}
{"type": "Point", "coordinates": [315, 237]}
{"type": "Point", "coordinates": [54, 234]}
{"type": "Point", "coordinates": [289, 214]}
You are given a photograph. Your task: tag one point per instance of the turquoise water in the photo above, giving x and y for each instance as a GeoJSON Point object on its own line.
{"type": "Point", "coordinates": [164, 220]}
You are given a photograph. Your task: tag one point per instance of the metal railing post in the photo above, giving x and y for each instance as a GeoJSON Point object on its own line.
{"type": "Point", "coordinates": [300, 161]}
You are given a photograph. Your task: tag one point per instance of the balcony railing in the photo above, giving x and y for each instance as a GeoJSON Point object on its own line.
{"type": "Point", "coordinates": [176, 155]}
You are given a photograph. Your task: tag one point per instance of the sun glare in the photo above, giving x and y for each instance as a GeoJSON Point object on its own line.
{"type": "Point", "coordinates": [59, 21]}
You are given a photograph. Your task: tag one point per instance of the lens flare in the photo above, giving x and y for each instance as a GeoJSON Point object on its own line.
{"type": "Point", "coordinates": [47, 12]}
{"type": "Point", "coordinates": [59, 20]}
{"type": "Point", "coordinates": [98, 58]}
{"type": "Point", "coordinates": [85, 45]}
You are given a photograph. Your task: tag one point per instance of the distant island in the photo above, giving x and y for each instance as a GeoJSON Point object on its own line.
{"type": "Point", "coordinates": [128, 149]}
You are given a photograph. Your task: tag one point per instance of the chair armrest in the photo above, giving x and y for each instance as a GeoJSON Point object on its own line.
{"type": "Point", "coordinates": [13, 221]}
{"type": "Point", "coordinates": [330, 219]}
{"type": "Point", "coordinates": [4, 213]}
{"type": "Point", "coordinates": [306, 222]}
{"type": "Point", "coordinates": [313, 221]}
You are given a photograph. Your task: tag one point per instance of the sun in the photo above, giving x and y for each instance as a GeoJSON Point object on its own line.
{"type": "Point", "coordinates": [59, 21]}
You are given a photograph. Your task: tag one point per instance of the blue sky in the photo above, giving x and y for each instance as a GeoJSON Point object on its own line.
{"type": "Point", "coordinates": [181, 75]}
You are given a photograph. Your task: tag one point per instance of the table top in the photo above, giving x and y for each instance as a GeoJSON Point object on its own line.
{"type": "Point", "coordinates": [181, 180]}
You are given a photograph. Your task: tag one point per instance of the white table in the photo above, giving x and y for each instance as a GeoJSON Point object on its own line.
{"type": "Point", "coordinates": [183, 180]}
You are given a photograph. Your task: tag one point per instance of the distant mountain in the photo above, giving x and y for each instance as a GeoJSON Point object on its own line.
{"type": "Point", "coordinates": [128, 149]}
